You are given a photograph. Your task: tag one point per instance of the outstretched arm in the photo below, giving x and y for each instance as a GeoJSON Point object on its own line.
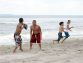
{"type": "Point", "coordinates": [30, 31]}
{"type": "Point", "coordinates": [69, 28]}
{"type": "Point", "coordinates": [40, 32]}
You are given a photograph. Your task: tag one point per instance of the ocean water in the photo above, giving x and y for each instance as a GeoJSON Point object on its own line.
{"type": "Point", "coordinates": [49, 28]}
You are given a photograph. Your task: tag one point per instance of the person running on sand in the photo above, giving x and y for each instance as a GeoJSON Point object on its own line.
{"type": "Point", "coordinates": [61, 29]}
{"type": "Point", "coordinates": [17, 36]}
{"type": "Point", "coordinates": [35, 34]}
{"type": "Point", "coordinates": [67, 29]}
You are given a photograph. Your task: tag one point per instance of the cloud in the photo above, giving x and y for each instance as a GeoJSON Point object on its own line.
{"type": "Point", "coordinates": [48, 7]}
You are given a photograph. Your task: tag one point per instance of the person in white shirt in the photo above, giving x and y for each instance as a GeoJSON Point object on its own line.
{"type": "Point", "coordinates": [67, 29]}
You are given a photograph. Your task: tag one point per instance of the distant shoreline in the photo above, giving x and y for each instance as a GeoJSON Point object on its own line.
{"type": "Point", "coordinates": [39, 16]}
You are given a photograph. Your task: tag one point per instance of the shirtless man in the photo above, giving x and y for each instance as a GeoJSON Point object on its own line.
{"type": "Point", "coordinates": [17, 36]}
{"type": "Point", "coordinates": [61, 29]}
{"type": "Point", "coordinates": [35, 34]}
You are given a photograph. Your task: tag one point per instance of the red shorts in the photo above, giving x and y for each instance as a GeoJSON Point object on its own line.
{"type": "Point", "coordinates": [35, 38]}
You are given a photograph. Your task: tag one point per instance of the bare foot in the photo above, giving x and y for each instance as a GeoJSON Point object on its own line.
{"type": "Point", "coordinates": [62, 42]}
{"type": "Point", "coordinates": [54, 41]}
{"type": "Point", "coordinates": [21, 50]}
{"type": "Point", "coordinates": [14, 51]}
{"type": "Point", "coordinates": [30, 48]}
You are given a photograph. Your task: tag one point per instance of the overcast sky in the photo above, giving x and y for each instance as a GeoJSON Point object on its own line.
{"type": "Point", "coordinates": [42, 7]}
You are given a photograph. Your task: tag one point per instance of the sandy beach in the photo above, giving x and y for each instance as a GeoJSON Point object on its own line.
{"type": "Point", "coordinates": [71, 51]}
{"type": "Point", "coordinates": [41, 21]}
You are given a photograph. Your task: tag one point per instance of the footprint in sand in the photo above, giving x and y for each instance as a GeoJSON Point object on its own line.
{"type": "Point", "coordinates": [67, 61]}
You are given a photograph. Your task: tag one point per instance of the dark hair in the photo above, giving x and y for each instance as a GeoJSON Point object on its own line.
{"type": "Point", "coordinates": [69, 20]}
{"type": "Point", "coordinates": [34, 20]}
{"type": "Point", "coordinates": [20, 20]}
{"type": "Point", "coordinates": [61, 23]}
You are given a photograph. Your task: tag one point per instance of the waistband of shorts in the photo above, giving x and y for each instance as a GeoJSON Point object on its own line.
{"type": "Point", "coordinates": [35, 34]}
{"type": "Point", "coordinates": [59, 32]}
{"type": "Point", "coordinates": [16, 34]}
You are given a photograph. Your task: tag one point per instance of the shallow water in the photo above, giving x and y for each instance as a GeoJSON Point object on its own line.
{"type": "Point", "coordinates": [49, 28]}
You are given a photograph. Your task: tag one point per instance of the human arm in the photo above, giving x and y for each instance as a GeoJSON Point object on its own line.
{"type": "Point", "coordinates": [30, 31]}
{"type": "Point", "coordinates": [40, 32]}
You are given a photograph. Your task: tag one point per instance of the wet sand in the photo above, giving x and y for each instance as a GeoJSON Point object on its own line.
{"type": "Point", "coordinates": [71, 51]}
